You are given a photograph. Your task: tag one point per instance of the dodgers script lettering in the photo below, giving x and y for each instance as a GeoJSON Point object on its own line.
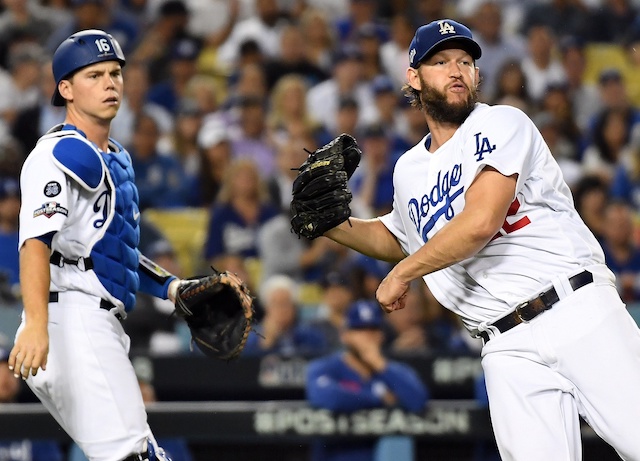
{"type": "Point", "coordinates": [437, 202]}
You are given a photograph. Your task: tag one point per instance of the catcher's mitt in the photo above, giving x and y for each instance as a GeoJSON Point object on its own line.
{"type": "Point", "coordinates": [219, 311]}
{"type": "Point", "coordinates": [321, 195]}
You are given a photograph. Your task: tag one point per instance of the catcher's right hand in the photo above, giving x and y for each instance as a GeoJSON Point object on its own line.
{"type": "Point", "coordinates": [321, 195]}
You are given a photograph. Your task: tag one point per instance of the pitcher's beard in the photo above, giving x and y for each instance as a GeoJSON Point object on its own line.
{"type": "Point", "coordinates": [439, 109]}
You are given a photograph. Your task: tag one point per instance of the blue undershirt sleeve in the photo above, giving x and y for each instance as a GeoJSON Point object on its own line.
{"type": "Point", "coordinates": [154, 280]}
{"type": "Point", "coordinates": [46, 238]}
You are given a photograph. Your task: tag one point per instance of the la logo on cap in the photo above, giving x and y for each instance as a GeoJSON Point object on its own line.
{"type": "Point", "coordinates": [365, 313]}
{"type": "Point", "coordinates": [446, 28]}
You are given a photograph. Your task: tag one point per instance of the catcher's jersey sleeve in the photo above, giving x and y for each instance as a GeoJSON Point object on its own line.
{"type": "Point", "coordinates": [45, 195]}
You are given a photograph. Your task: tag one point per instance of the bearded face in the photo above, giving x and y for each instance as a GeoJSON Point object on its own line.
{"type": "Point", "coordinates": [437, 106]}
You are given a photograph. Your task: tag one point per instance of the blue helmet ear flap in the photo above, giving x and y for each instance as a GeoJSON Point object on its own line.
{"type": "Point", "coordinates": [80, 50]}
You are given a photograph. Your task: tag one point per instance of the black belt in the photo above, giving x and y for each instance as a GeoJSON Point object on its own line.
{"type": "Point", "coordinates": [84, 264]}
{"type": "Point", "coordinates": [104, 304]}
{"type": "Point", "coordinates": [531, 309]}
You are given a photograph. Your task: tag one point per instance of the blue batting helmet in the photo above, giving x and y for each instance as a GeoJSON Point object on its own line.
{"type": "Point", "coordinates": [81, 50]}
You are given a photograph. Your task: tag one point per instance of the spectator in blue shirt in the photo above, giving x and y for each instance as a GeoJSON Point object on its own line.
{"type": "Point", "coordinates": [98, 14]}
{"type": "Point", "coordinates": [360, 377]}
{"type": "Point", "coordinates": [625, 184]}
{"type": "Point", "coordinates": [9, 211]}
{"type": "Point", "coordinates": [373, 183]}
{"type": "Point", "coordinates": [181, 67]}
{"type": "Point", "coordinates": [239, 213]}
{"type": "Point", "coordinates": [621, 251]}
{"type": "Point", "coordinates": [160, 177]}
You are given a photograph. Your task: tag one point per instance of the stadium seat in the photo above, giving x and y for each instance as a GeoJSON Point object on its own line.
{"type": "Point", "coordinates": [601, 56]}
{"type": "Point", "coordinates": [186, 229]}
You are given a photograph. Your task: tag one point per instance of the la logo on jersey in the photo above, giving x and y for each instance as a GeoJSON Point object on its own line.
{"type": "Point", "coordinates": [483, 146]}
{"type": "Point", "coordinates": [102, 205]}
{"type": "Point", "coordinates": [446, 28]}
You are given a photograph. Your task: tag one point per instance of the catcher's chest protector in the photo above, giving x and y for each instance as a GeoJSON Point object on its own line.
{"type": "Point", "coordinates": [115, 256]}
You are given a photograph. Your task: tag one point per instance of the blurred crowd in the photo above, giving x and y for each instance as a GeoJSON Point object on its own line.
{"type": "Point", "coordinates": [224, 98]}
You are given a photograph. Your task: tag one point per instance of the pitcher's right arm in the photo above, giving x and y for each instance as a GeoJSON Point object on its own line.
{"type": "Point", "coordinates": [369, 237]}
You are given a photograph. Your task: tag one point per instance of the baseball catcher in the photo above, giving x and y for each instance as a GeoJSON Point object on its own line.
{"type": "Point", "coordinates": [321, 195]}
{"type": "Point", "coordinates": [219, 311]}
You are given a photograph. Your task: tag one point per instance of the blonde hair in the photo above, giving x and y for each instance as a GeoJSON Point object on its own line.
{"type": "Point", "coordinates": [309, 15]}
{"type": "Point", "coordinates": [226, 189]}
{"type": "Point", "coordinates": [199, 82]}
{"type": "Point", "coordinates": [282, 87]}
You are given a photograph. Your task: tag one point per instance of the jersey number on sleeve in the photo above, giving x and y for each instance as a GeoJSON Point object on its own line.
{"type": "Point", "coordinates": [507, 227]}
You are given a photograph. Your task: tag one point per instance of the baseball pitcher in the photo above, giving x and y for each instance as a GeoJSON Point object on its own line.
{"type": "Point", "coordinates": [481, 213]}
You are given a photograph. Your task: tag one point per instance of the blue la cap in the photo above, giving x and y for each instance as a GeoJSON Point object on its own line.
{"type": "Point", "coordinates": [348, 52]}
{"type": "Point", "coordinates": [185, 49]}
{"type": "Point", "coordinates": [382, 84]}
{"type": "Point", "coordinates": [364, 314]}
{"type": "Point", "coordinates": [609, 74]}
{"type": "Point", "coordinates": [431, 35]}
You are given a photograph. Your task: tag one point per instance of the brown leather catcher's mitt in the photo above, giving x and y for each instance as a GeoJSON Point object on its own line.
{"type": "Point", "coordinates": [219, 311]}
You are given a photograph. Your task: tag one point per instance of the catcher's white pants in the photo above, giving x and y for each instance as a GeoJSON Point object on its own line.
{"type": "Point", "coordinates": [90, 386]}
{"type": "Point", "coordinates": [580, 357]}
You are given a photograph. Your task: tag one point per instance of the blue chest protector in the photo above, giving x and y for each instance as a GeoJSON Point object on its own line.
{"type": "Point", "coordinates": [115, 256]}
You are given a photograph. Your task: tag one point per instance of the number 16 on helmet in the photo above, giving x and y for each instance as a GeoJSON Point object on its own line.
{"type": "Point", "coordinates": [81, 50]}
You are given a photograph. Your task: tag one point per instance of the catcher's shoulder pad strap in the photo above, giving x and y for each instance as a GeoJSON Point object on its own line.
{"type": "Point", "coordinates": [154, 270]}
{"type": "Point", "coordinates": [79, 160]}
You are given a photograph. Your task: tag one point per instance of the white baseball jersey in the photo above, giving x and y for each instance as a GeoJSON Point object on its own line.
{"type": "Point", "coordinates": [542, 236]}
{"type": "Point", "coordinates": [53, 201]}
{"type": "Point", "coordinates": [87, 206]}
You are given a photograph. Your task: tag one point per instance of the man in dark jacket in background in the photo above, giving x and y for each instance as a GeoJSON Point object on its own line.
{"type": "Point", "coordinates": [360, 377]}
